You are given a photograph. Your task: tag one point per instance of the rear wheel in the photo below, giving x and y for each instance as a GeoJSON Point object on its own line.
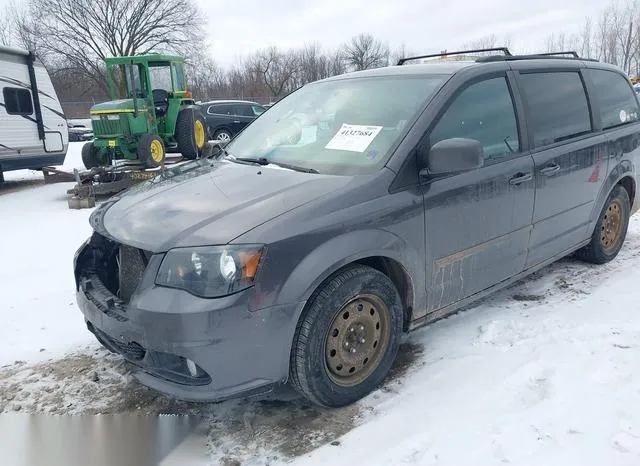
{"type": "Point", "coordinates": [191, 133]}
{"type": "Point", "coordinates": [90, 157]}
{"type": "Point", "coordinates": [151, 150]}
{"type": "Point", "coordinates": [348, 337]}
{"type": "Point", "coordinates": [611, 229]}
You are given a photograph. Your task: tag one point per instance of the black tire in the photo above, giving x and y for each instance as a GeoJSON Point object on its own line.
{"type": "Point", "coordinates": [333, 304]}
{"type": "Point", "coordinates": [222, 135]}
{"type": "Point", "coordinates": [610, 230]}
{"type": "Point", "coordinates": [151, 150]}
{"type": "Point", "coordinates": [90, 157]}
{"type": "Point", "coordinates": [191, 133]}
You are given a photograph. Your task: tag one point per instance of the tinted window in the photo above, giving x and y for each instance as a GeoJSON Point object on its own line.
{"type": "Point", "coordinates": [221, 109]}
{"type": "Point", "coordinates": [483, 111]}
{"type": "Point", "coordinates": [615, 98]}
{"type": "Point", "coordinates": [242, 110]}
{"type": "Point", "coordinates": [558, 106]}
{"type": "Point", "coordinates": [17, 101]}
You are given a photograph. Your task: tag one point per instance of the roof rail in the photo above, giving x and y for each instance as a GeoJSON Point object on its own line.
{"type": "Point", "coordinates": [504, 50]}
{"type": "Point", "coordinates": [551, 54]}
{"type": "Point", "coordinates": [535, 56]}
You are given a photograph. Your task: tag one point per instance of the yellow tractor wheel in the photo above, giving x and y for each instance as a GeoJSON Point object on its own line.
{"type": "Point", "coordinates": [151, 150]}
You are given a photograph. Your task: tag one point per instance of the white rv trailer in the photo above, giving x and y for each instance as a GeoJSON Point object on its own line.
{"type": "Point", "coordinates": [33, 129]}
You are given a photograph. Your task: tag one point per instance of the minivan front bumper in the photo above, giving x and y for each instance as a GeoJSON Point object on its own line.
{"type": "Point", "coordinates": [190, 348]}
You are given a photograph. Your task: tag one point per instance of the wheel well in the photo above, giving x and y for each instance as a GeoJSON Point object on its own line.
{"type": "Point", "coordinates": [400, 278]}
{"type": "Point", "coordinates": [628, 184]}
{"type": "Point", "coordinates": [221, 128]}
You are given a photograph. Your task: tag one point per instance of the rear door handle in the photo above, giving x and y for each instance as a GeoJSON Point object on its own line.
{"type": "Point", "coordinates": [519, 178]}
{"type": "Point", "coordinates": [550, 169]}
{"type": "Point", "coordinates": [236, 121]}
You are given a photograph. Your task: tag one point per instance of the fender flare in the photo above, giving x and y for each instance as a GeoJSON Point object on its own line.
{"type": "Point", "coordinates": [621, 170]}
{"type": "Point", "coordinates": [335, 254]}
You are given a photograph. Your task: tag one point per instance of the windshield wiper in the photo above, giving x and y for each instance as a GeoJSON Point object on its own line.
{"type": "Point", "coordinates": [265, 161]}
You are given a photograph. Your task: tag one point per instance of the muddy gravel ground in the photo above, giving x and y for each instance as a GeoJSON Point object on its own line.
{"type": "Point", "coordinates": [278, 426]}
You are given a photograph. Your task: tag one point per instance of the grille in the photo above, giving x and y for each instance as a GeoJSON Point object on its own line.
{"type": "Point", "coordinates": [104, 127]}
{"type": "Point", "coordinates": [131, 265]}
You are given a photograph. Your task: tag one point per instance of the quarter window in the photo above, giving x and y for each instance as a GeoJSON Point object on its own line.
{"type": "Point", "coordinates": [557, 105]}
{"type": "Point", "coordinates": [615, 98]}
{"type": "Point", "coordinates": [484, 111]}
{"type": "Point", "coordinates": [17, 101]}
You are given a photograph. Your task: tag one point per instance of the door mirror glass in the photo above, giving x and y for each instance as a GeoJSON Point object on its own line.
{"type": "Point", "coordinates": [452, 156]}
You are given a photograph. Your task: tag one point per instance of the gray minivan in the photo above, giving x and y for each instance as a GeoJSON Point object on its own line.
{"type": "Point", "coordinates": [357, 208]}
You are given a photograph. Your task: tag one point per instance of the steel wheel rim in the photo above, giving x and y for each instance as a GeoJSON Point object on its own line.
{"type": "Point", "coordinates": [611, 226]}
{"type": "Point", "coordinates": [357, 340]}
{"type": "Point", "coordinates": [156, 151]}
{"type": "Point", "coordinates": [224, 137]}
{"type": "Point", "coordinates": [198, 130]}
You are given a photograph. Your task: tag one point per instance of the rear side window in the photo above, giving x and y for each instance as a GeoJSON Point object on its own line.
{"type": "Point", "coordinates": [558, 106]}
{"type": "Point", "coordinates": [17, 101]}
{"type": "Point", "coordinates": [484, 112]}
{"type": "Point", "coordinates": [615, 98]}
{"type": "Point", "coordinates": [220, 109]}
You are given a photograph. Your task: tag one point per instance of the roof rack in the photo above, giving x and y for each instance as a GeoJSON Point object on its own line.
{"type": "Point", "coordinates": [536, 56]}
{"type": "Point", "coordinates": [551, 54]}
{"type": "Point", "coordinates": [504, 50]}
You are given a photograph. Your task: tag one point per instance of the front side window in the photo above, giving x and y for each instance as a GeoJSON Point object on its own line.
{"type": "Point", "coordinates": [558, 106]}
{"type": "Point", "coordinates": [615, 98]}
{"type": "Point", "coordinates": [242, 110]}
{"type": "Point", "coordinates": [17, 101]}
{"type": "Point", "coordinates": [180, 82]}
{"type": "Point", "coordinates": [483, 111]}
{"type": "Point", "coordinates": [342, 126]}
{"type": "Point", "coordinates": [257, 110]}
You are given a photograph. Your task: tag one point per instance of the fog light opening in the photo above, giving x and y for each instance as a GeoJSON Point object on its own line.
{"type": "Point", "coordinates": [193, 370]}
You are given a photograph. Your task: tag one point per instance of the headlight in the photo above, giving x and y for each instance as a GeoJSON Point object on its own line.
{"type": "Point", "coordinates": [113, 117]}
{"type": "Point", "coordinates": [212, 271]}
{"type": "Point", "coordinates": [95, 117]}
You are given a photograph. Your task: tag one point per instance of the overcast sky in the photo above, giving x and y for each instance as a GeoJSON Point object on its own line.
{"type": "Point", "coordinates": [239, 27]}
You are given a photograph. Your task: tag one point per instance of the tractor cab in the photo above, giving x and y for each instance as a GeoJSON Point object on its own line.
{"type": "Point", "coordinates": [151, 113]}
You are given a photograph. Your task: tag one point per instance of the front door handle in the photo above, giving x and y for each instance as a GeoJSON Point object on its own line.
{"type": "Point", "coordinates": [550, 169]}
{"type": "Point", "coordinates": [236, 121]}
{"type": "Point", "coordinates": [519, 178]}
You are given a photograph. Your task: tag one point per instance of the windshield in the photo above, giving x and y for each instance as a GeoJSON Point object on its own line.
{"type": "Point", "coordinates": [343, 127]}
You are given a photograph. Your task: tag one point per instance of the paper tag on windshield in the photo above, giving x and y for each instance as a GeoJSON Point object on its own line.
{"type": "Point", "coordinates": [355, 138]}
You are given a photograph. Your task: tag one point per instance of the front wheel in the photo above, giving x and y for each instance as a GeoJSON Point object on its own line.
{"type": "Point", "coordinates": [347, 339]}
{"type": "Point", "coordinates": [151, 150]}
{"type": "Point", "coordinates": [611, 229]}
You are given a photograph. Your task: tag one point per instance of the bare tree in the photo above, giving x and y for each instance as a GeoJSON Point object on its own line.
{"type": "Point", "coordinates": [276, 69]}
{"type": "Point", "coordinates": [81, 33]}
{"type": "Point", "coordinates": [6, 27]}
{"type": "Point", "coordinates": [364, 52]}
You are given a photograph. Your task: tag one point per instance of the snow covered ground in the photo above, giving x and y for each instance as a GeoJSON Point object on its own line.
{"type": "Point", "coordinates": [543, 373]}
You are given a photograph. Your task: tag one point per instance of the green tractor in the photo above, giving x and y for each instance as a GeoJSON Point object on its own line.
{"type": "Point", "coordinates": [151, 113]}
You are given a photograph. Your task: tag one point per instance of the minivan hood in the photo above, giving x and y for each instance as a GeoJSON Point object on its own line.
{"type": "Point", "coordinates": [199, 204]}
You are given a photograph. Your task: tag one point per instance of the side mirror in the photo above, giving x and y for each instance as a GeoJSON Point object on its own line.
{"type": "Point", "coordinates": [451, 156]}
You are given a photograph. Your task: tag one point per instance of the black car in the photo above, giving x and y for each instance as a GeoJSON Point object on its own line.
{"type": "Point", "coordinates": [408, 193]}
{"type": "Point", "coordinates": [226, 118]}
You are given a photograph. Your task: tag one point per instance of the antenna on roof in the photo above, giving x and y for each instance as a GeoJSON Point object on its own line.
{"type": "Point", "coordinates": [444, 53]}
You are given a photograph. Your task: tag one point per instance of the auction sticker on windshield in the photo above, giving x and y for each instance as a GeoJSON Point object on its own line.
{"type": "Point", "coordinates": [355, 138]}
